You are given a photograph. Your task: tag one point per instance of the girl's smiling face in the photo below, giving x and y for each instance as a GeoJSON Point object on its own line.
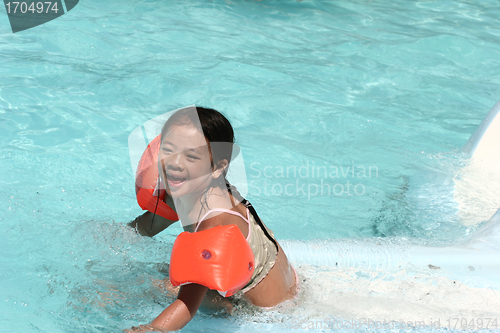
{"type": "Point", "coordinates": [184, 161]}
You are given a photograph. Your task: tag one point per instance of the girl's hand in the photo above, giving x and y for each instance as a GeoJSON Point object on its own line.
{"type": "Point", "coordinates": [177, 314]}
{"type": "Point", "coordinates": [144, 328]}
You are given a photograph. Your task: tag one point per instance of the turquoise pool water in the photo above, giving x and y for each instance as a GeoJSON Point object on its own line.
{"type": "Point", "coordinates": [391, 87]}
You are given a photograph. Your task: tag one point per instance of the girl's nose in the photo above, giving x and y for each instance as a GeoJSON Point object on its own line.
{"type": "Point", "coordinates": [174, 162]}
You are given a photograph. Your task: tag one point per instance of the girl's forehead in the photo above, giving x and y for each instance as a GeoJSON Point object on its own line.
{"type": "Point", "coordinates": [185, 137]}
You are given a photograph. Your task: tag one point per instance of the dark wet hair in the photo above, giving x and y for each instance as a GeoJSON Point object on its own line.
{"type": "Point", "coordinates": [214, 126]}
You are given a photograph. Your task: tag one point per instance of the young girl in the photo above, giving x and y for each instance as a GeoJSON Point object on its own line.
{"type": "Point", "coordinates": [195, 152]}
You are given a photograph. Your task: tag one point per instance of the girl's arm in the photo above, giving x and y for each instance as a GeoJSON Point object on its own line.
{"type": "Point", "coordinates": [183, 309]}
{"type": "Point", "coordinates": [143, 223]}
{"type": "Point", "coordinates": [180, 312]}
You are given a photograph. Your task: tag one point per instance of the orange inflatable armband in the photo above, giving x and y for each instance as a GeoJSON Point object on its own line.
{"type": "Point", "coordinates": [146, 181]}
{"type": "Point", "coordinates": [218, 258]}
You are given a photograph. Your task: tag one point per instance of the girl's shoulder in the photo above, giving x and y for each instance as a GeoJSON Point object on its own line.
{"type": "Point", "coordinates": [221, 212]}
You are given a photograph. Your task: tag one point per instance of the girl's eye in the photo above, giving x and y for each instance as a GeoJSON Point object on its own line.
{"type": "Point", "coordinates": [166, 150]}
{"type": "Point", "coordinates": [192, 157]}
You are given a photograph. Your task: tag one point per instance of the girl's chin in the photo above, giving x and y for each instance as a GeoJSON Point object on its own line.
{"type": "Point", "coordinates": [174, 193]}
{"type": "Point", "coordinates": [177, 192]}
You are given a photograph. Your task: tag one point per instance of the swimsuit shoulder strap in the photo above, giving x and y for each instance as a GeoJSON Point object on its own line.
{"type": "Point", "coordinates": [232, 212]}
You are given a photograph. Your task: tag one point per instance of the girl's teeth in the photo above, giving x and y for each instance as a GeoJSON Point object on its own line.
{"type": "Point", "coordinates": [176, 179]}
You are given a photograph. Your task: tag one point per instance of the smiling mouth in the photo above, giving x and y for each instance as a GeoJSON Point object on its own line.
{"type": "Point", "coordinates": [174, 181]}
